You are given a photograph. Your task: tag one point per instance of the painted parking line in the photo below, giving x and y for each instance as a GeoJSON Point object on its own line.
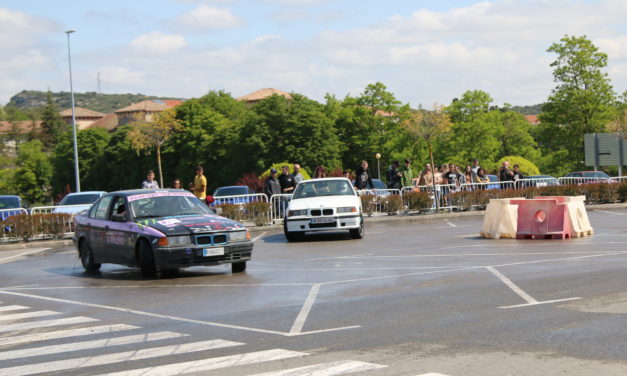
{"type": "Point", "coordinates": [326, 369]}
{"type": "Point", "coordinates": [210, 364]}
{"type": "Point", "coordinates": [20, 255]}
{"type": "Point", "coordinates": [93, 344]}
{"type": "Point", "coordinates": [451, 224]}
{"type": "Point", "coordinates": [259, 236]}
{"type": "Point", "coordinates": [13, 308]}
{"type": "Point", "coordinates": [119, 357]}
{"type": "Point", "coordinates": [45, 323]}
{"type": "Point", "coordinates": [609, 212]}
{"type": "Point", "coordinates": [26, 315]}
{"type": "Point", "coordinates": [67, 333]}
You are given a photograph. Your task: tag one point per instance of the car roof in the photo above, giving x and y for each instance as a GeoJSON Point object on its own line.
{"type": "Point", "coordinates": [329, 179]}
{"type": "Point", "coordinates": [131, 192]}
{"type": "Point", "coordinates": [540, 176]}
{"type": "Point", "coordinates": [10, 196]}
{"type": "Point", "coordinates": [233, 186]}
{"type": "Point", "coordinates": [86, 193]}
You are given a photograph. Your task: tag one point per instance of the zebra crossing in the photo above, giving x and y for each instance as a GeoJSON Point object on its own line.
{"type": "Point", "coordinates": [29, 345]}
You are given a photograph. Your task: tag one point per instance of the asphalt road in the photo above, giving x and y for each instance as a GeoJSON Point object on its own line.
{"type": "Point", "coordinates": [409, 299]}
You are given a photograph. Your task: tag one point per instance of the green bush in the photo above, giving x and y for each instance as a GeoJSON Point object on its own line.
{"type": "Point", "coordinates": [28, 227]}
{"type": "Point", "coordinates": [526, 166]}
{"type": "Point", "coordinates": [258, 212]}
{"type": "Point", "coordinates": [622, 192]}
{"type": "Point", "coordinates": [368, 204]}
{"type": "Point", "coordinates": [231, 211]}
{"type": "Point", "coordinates": [392, 204]}
{"type": "Point", "coordinates": [278, 166]}
{"type": "Point", "coordinates": [417, 201]}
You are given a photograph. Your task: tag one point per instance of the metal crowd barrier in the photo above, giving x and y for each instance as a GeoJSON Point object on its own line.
{"type": "Point", "coordinates": [6, 231]}
{"type": "Point", "coordinates": [68, 209]}
{"type": "Point", "coordinates": [278, 206]}
{"type": "Point", "coordinates": [240, 199]}
{"type": "Point", "coordinates": [579, 180]}
{"type": "Point", "coordinates": [379, 197]}
{"type": "Point", "coordinates": [618, 179]}
{"type": "Point", "coordinates": [536, 182]}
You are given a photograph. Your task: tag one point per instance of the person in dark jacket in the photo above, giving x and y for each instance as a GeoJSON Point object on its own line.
{"type": "Point", "coordinates": [363, 178]}
{"type": "Point", "coordinates": [394, 176]}
{"type": "Point", "coordinates": [272, 185]}
{"type": "Point", "coordinates": [287, 180]}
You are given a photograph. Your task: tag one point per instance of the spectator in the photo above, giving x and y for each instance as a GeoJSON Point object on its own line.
{"type": "Point", "coordinates": [460, 175]}
{"type": "Point", "coordinates": [287, 181]}
{"type": "Point", "coordinates": [363, 178]}
{"type": "Point", "coordinates": [394, 176]}
{"type": "Point", "coordinates": [176, 184]}
{"type": "Point", "coordinates": [481, 176]}
{"type": "Point", "coordinates": [468, 175]}
{"type": "Point", "coordinates": [200, 183]}
{"type": "Point", "coordinates": [475, 168]}
{"type": "Point", "coordinates": [272, 186]}
{"type": "Point", "coordinates": [150, 182]}
{"type": "Point", "coordinates": [320, 172]}
{"type": "Point", "coordinates": [517, 175]}
{"type": "Point", "coordinates": [406, 174]}
{"type": "Point", "coordinates": [297, 175]}
{"type": "Point", "coordinates": [438, 176]}
{"type": "Point", "coordinates": [453, 177]}
{"type": "Point", "coordinates": [346, 174]}
{"type": "Point", "coordinates": [505, 174]}
{"type": "Point", "coordinates": [427, 176]}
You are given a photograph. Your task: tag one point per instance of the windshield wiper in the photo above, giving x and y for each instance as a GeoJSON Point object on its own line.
{"type": "Point", "coordinates": [148, 216]}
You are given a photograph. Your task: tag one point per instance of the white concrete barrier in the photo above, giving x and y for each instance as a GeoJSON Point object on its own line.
{"type": "Point", "coordinates": [500, 219]}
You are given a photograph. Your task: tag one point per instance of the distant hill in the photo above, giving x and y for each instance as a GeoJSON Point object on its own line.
{"type": "Point", "coordinates": [105, 103]}
{"type": "Point", "coordinates": [528, 110]}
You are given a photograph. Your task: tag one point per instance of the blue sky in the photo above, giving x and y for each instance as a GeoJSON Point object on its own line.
{"type": "Point", "coordinates": [424, 51]}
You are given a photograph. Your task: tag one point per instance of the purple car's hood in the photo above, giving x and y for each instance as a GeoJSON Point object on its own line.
{"type": "Point", "coordinates": [191, 224]}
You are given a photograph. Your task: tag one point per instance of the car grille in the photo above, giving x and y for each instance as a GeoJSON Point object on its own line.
{"type": "Point", "coordinates": [194, 259]}
{"type": "Point", "coordinates": [216, 239]}
{"type": "Point", "coordinates": [322, 225]}
{"type": "Point", "coordinates": [318, 212]}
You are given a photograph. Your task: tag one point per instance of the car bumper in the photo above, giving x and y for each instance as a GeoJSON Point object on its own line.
{"type": "Point", "coordinates": [170, 258]}
{"type": "Point", "coordinates": [339, 223]}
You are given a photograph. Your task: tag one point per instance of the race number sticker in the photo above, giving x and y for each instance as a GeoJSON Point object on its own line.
{"type": "Point", "coordinates": [170, 222]}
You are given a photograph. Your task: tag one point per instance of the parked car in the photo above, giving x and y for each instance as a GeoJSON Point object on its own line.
{"type": "Point", "coordinates": [158, 230]}
{"type": "Point", "coordinates": [78, 202]}
{"type": "Point", "coordinates": [11, 205]}
{"type": "Point", "coordinates": [538, 181]}
{"type": "Point", "coordinates": [584, 177]}
{"type": "Point", "coordinates": [224, 195]}
{"type": "Point", "coordinates": [322, 205]}
{"type": "Point", "coordinates": [493, 179]}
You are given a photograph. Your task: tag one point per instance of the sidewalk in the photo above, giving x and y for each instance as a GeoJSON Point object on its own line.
{"type": "Point", "coordinates": [58, 243]}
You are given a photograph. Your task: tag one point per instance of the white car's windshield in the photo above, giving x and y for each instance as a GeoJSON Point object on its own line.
{"type": "Point", "coordinates": [317, 188]}
{"type": "Point", "coordinates": [162, 206]}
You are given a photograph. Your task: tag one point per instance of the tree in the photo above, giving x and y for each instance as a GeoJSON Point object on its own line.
{"type": "Point", "coordinates": [32, 178]}
{"type": "Point", "coordinates": [147, 135]}
{"type": "Point", "coordinates": [92, 144]}
{"type": "Point", "coordinates": [429, 126]}
{"type": "Point", "coordinates": [472, 104]}
{"type": "Point", "coordinates": [52, 125]}
{"type": "Point", "coordinates": [581, 102]}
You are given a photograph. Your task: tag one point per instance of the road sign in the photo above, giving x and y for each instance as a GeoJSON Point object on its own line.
{"type": "Point", "coordinates": [605, 149]}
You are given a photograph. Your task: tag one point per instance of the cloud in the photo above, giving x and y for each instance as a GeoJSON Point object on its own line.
{"type": "Point", "coordinates": [157, 43]}
{"type": "Point", "coordinates": [206, 17]}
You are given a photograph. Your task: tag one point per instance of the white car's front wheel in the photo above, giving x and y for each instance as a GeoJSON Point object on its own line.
{"type": "Point", "coordinates": [292, 236]}
{"type": "Point", "coordinates": [358, 233]}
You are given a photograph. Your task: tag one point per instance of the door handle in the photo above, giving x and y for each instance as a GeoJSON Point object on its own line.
{"type": "Point", "coordinates": [107, 228]}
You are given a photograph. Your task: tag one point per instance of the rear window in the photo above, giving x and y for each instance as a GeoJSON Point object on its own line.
{"type": "Point", "coordinates": [230, 191]}
{"type": "Point", "coordinates": [9, 203]}
{"type": "Point", "coordinates": [378, 184]}
{"type": "Point", "coordinates": [85, 199]}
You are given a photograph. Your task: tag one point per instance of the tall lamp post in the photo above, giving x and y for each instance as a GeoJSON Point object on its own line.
{"type": "Point", "coordinates": [69, 58]}
{"type": "Point", "coordinates": [378, 156]}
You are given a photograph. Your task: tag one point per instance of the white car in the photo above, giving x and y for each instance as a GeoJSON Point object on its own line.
{"type": "Point", "coordinates": [75, 203]}
{"type": "Point", "coordinates": [323, 205]}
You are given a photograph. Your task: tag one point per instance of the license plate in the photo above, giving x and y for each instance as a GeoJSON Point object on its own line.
{"type": "Point", "coordinates": [213, 252]}
{"type": "Point", "coordinates": [323, 220]}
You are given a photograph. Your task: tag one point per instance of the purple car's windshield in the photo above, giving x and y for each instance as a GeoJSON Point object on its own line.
{"type": "Point", "coordinates": [163, 206]}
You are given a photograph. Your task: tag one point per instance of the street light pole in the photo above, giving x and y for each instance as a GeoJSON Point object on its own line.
{"type": "Point", "coordinates": [378, 156]}
{"type": "Point", "coordinates": [69, 58]}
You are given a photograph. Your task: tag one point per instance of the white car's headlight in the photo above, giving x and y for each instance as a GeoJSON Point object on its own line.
{"type": "Point", "coordinates": [294, 213]}
{"type": "Point", "coordinates": [177, 240]}
{"type": "Point", "coordinates": [239, 236]}
{"type": "Point", "coordinates": [347, 209]}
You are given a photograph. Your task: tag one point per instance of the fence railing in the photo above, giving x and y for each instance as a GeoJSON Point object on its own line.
{"type": "Point", "coordinates": [579, 180]}
{"type": "Point", "coordinates": [240, 199]}
{"type": "Point", "coordinates": [67, 209]}
{"type": "Point", "coordinates": [278, 206]}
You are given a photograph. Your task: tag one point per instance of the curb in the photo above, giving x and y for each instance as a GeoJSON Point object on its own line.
{"type": "Point", "coordinates": [259, 229]}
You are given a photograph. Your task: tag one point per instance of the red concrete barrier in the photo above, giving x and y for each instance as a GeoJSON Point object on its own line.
{"type": "Point", "coordinates": [543, 218]}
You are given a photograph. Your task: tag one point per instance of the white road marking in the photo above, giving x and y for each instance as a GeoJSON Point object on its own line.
{"type": "Point", "coordinates": [209, 364]}
{"type": "Point", "coordinates": [45, 323]}
{"type": "Point", "coordinates": [450, 223]}
{"type": "Point", "coordinates": [326, 369]}
{"type": "Point", "coordinates": [36, 337]}
{"type": "Point", "coordinates": [93, 344]}
{"type": "Point", "coordinates": [27, 315]}
{"type": "Point", "coordinates": [512, 285]}
{"type": "Point", "coordinates": [609, 212]}
{"type": "Point", "coordinates": [432, 374]}
{"type": "Point", "coordinates": [125, 356]}
{"type": "Point", "coordinates": [537, 303]}
{"type": "Point", "coordinates": [13, 308]}
{"type": "Point", "coordinates": [21, 254]}
{"type": "Point", "coordinates": [156, 286]}
{"type": "Point", "coordinates": [297, 327]}
{"type": "Point", "coordinates": [259, 236]}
